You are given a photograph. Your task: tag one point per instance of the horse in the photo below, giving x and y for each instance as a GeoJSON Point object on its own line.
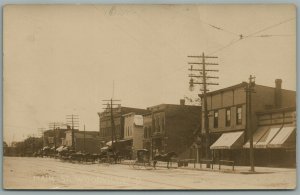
{"type": "Point", "coordinates": [164, 158]}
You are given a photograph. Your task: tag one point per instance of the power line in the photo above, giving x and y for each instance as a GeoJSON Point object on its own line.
{"type": "Point", "coordinates": [232, 42]}
{"type": "Point", "coordinates": [242, 37]}
{"type": "Point", "coordinates": [269, 27]}
{"type": "Point", "coordinates": [272, 35]}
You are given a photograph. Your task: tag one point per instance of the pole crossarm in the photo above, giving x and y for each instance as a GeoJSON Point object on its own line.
{"type": "Point", "coordinates": [206, 83]}
{"type": "Point", "coordinates": [199, 76]}
{"type": "Point", "coordinates": [202, 73]}
{"type": "Point", "coordinates": [199, 63]}
{"type": "Point", "coordinates": [202, 56]}
{"type": "Point", "coordinates": [208, 70]}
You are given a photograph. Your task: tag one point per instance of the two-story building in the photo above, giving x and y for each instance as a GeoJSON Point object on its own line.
{"type": "Point", "coordinates": [53, 138]}
{"type": "Point", "coordinates": [147, 121]}
{"type": "Point", "coordinates": [105, 129]}
{"type": "Point", "coordinates": [228, 121]}
{"type": "Point", "coordinates": [171, 128]}
{"type": "Point", "coordinates": [88, 141]}
{"type": "Point", "coordinates": [133, 131]}
{"type": "Point", "coordinates": [274, 141]}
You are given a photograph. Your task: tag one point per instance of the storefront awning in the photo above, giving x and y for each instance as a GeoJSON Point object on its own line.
{"type": "Point", "coordinates": [261, 131]}
{"type": "Point", "coordinates": [284, 139]}
{"type": "Point", "coordinates": [267, 137]}
{"type": "Point", "coordinates": [230, 140]}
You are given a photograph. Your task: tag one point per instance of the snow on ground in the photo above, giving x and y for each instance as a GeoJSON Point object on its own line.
{"type": "Point", "coordinates": [47, 173]}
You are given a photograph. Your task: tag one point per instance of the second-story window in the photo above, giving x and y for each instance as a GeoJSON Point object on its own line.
{"type": "Point", "coordinates": [216, 119]}
{"type": "Point", "coordinates": [239, 115]}
{"type": "Point", "coordinates": [228, 117]}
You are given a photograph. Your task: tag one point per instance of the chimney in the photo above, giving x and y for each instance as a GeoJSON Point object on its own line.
{"type": "Point", "coordinates": [182, 102]}
{"type": "Point", "coordinates": [278, 93]}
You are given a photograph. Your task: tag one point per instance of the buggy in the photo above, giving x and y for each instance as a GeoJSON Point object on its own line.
{"type": "Point", "coordinates": [143, 159]}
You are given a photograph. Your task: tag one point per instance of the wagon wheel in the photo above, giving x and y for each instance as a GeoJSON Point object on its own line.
{"type": "Point", "coordinates": [136, 165]}
{"type": "Point", "coordinates": [148, 165]}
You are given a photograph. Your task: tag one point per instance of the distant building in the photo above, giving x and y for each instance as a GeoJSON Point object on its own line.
{"type": "Point", "coordinates": [105, 129]}
{"type": "Point", "coordinates": [147, 120]}
{"type": "Point", "coordinates": [54, 137]}
{"type": "Point", "coordinates": [227, 116]}
{"type": "Point", "coordinates": [169, 127]}
{"type": "Point", "coordinates": [133, 130]}
{"type": "Point", "coordinates": [88, 141]}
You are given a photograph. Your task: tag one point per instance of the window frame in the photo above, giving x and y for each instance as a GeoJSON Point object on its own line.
{"type": "Point", "coordinates": [227, 117]}
{"type": "Point", "coordinates": [216, 119]}
{"type": "Point", "coordinates": [239, 121]}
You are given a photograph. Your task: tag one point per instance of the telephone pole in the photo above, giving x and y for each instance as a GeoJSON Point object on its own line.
{"type": "Point", "coordinates": [73, 121]}
{"type": "Point", "coordinates": [41, 132]}
{"type": "Point", "coordinates": [54, 126]}
{"type": "Point", "coordinates": [112, 109]}
{"type": "Point", "coordinates": [249, 89]}
{"type": "Point", "coordinates": [203, 76]}
{"type": "Point", "coordinates": [84, 138]}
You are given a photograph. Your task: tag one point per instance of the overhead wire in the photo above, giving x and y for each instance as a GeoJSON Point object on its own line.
{"type": "Point", "coordinates": [231, 43]}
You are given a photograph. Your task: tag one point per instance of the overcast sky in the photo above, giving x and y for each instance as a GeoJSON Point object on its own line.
{"type": "Point", "coordinates": [61, 60]}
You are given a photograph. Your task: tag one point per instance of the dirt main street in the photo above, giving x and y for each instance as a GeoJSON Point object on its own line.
{"type": "Point", "coordinates": [46, 173]}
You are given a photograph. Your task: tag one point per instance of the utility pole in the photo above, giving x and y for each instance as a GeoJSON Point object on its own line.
{"type": "Point", "coordinates": [249, 89]}
{"type": "Point", "coordinates": [111, 109]}
{"type": "Point", "coordinates": [203, 76]}
{"type": "Point", "coordinates": [73, 121]}
{"type": "Point", "coordinates": [84, 138]}
{"type": "Point", "coordinates": [41, 132]}
{"type": "Point", "coordinates": [54, 126]}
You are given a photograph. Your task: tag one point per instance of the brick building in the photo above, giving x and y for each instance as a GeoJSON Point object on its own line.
{"type": "Point", "coordinates": [274, 141]}
{"type": "Point", "coordinates": [54, 138]}
{"type": "Point", "coordinates": [88, 141]}
{"type": "Point", "coordinates": [105, 122]}
{"type": "Point", "coordinates": [169, 127]}
{"type": "Point", "coordinates": [147, 121]}
{"type": "Point", "coordinates": [227, 116]}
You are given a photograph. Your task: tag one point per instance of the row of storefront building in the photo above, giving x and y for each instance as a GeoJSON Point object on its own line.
{"type": "Point", "coordinates": [180, 128]}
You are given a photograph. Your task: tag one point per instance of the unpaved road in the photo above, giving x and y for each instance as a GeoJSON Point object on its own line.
{"type": "Point", "coordinates": [46, 173]}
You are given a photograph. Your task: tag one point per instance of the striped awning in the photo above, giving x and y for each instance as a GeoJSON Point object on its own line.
{"type": "Point", "coordinates": [267, 137]}
{"type": "Point", "coordinates": [230, 140]}
{"type": "Point", "coordinates": [261, 131]}
{"type": "Point", "coordinates": [285, 138]}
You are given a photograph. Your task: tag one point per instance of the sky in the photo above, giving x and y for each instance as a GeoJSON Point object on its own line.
{"type": "Point", "coordinates": [65, 59]}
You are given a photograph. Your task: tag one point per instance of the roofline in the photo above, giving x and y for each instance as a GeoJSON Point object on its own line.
{"type": "Point", "coordinates": [274, 88]}
{"type": "Point", "coordinates": [125, 108]}
{"type": "Point", "coordinates": [243, 84]}
{"type": "Point", "coordinates": [130, 113]}
{"type": "Point", "coordinates": [276, 110]}
{"type": "Point", "coordinates": [172, 105]}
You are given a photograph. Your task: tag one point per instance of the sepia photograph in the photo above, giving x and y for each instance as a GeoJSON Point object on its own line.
{"type": "Point", "coordinates": [149, 97]}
